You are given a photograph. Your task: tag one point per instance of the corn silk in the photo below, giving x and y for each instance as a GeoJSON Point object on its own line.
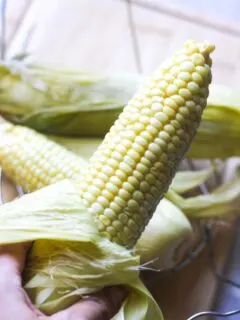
{"type": "Point", "coordinates": [69, 258]}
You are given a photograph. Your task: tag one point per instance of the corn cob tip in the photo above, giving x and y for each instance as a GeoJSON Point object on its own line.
{"type": "Point", "coordinates": [199, 51]}
{"type": "Point", "coordinates": [207, 47]}
{"type": "Point", "coordinates": [204, 47]}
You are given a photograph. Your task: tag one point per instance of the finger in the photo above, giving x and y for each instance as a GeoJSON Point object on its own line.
{"type": "Point", "coordinates": [13, 306]}
{"type": "Point", "coordinates": [14, 302]}
{"type": "Point", "coordinates": [12, 259]}
{"type": "Point", "coordinates": [14, 256]}
{"type": "Point", "coordinates": [101, 306]}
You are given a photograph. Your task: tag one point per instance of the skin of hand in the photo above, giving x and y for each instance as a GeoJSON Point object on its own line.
{"type": "Point", "coordinates": [15, 304]}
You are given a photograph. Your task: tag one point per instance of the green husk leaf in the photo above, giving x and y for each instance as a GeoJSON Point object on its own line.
{"type": "Point", "coordinates": [187, 180]}
{"type": "Point", "coordinates": [81, 103]}
{"type": "Point", "coordinates": [220, 122]}
{"type": "Point", "coordinates": [133, 308]}
{"type": "Point", "coordinates": [223, 201]}
{"type": "Point", "coordinates": [69, 258]}
{"type": "Point", "coordinates": [83, 147]}
{"type": "Point", "coordinates": [167, 229]}
{"type": "Point", "coordinates": [61, 101]}
{"type": "Point", "coordinates": [219, 133]}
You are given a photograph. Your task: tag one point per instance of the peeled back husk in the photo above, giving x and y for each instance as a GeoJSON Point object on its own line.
{"type": "Point", "coordinates": [165, 232]}
{"type": "Point", "coordinates": [69, 259]}
{"type": "Point", "coordinates": [223, 201]}
{"type": "Point", "coordinates": [189, 179]}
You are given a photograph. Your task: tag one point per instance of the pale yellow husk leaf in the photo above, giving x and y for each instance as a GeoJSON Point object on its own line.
{"type": "Point", "coordinates": [69, 258]}
{"type": "Point", "coordinates": [187, 180]}
{"type": "Point", "coordinates": [223, 201]}
{"type": "Point", "coordinates": [167, 229]}
{"type": "Point", "coordinates": [83, 147]}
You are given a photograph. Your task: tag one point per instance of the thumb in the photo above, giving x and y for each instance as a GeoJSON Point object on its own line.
{"type": "Point", "coordinates": [100, 306]}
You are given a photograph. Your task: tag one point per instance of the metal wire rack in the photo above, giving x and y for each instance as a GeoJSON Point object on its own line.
{"type": "Point", "coordinates": [207, 236]}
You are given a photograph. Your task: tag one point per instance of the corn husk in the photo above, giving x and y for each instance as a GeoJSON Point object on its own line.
{"type": "Point", "coordinates": [78, 103]}
{"type": "Point", "coordinates": [221, 202]}
{"type": "Point", "coordinates": [69, 258]}
{"type": "Point", "coordinates": [165, 232]}
{"type": "Point", "coordinates": [83, 147]}
{"type": "Point", "coordinates": [188, 180]}
{"type": "Point", "coordinates": [61, 101]}
{"type": "Point", "coordinates": [219, 133]}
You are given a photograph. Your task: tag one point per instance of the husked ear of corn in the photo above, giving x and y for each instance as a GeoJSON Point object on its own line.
{"type": "Point", "coordinates": [134, 165]}
{"type": "Point", "coordinates": [121, 187]}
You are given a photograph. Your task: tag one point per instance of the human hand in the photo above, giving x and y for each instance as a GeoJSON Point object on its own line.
{"type": "Point", "coordinates": [15, 304]}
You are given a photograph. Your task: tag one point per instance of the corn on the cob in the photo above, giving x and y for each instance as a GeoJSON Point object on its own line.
{"type": "Point", "coordinates": [33, 161]}
{"type": "Point", "coordinates": [135, 164]}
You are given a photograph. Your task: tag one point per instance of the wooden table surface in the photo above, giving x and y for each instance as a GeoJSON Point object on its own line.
{"type": "Point", "coordinates": [95, 35]}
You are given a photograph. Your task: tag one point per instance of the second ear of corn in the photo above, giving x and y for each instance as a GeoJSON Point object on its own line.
{"type": "Point", "coordinates": [33, 161]}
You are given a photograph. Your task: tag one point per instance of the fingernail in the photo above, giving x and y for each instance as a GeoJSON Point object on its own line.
{"type": "Point", "coordinates": [119, 293]}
